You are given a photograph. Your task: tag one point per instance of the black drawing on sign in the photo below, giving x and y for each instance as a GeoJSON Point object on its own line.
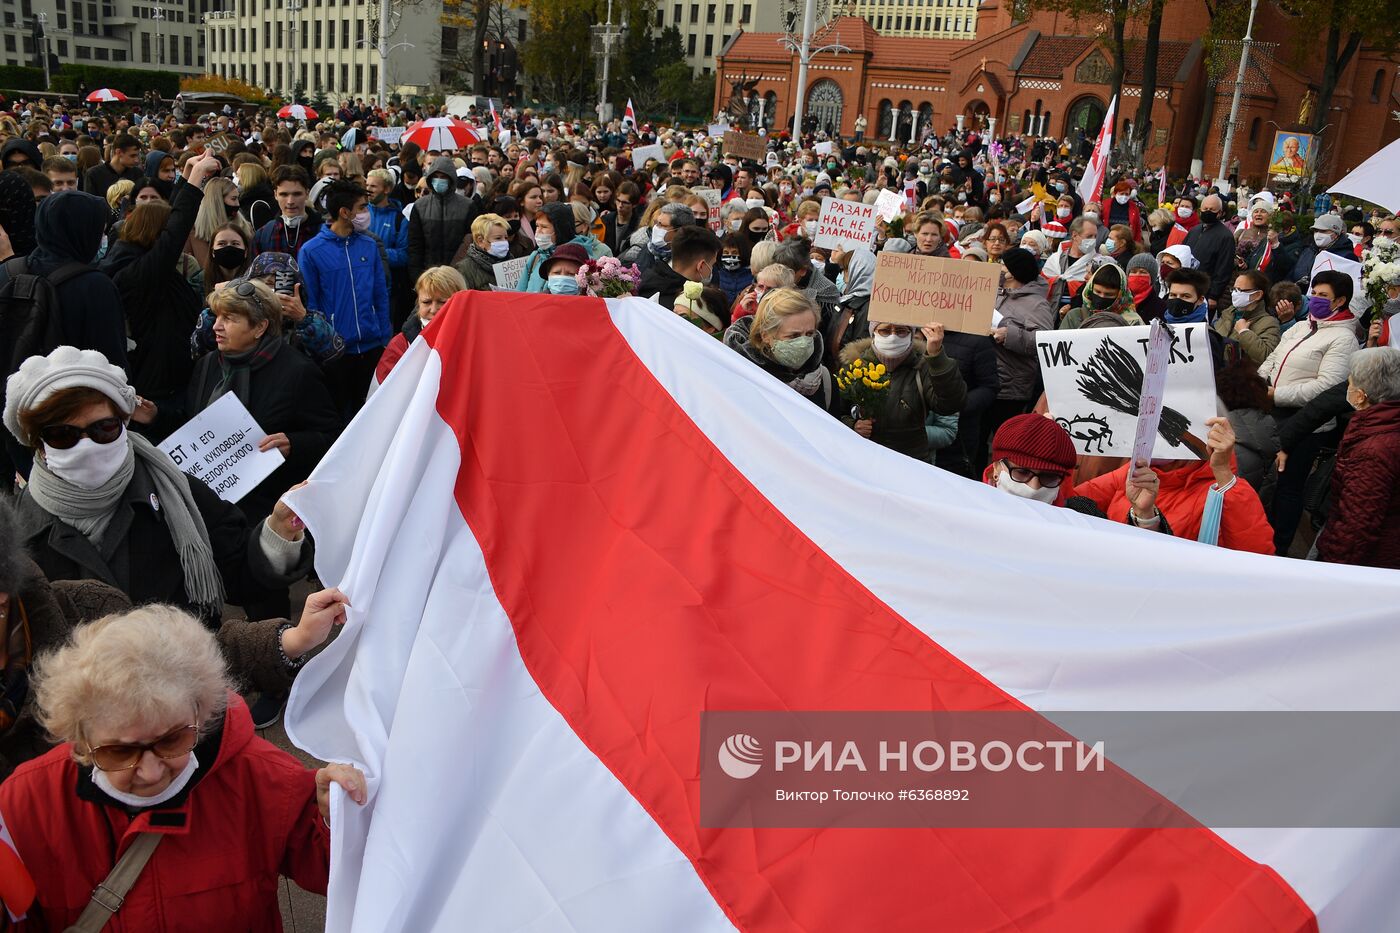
{"type": "Point", "coordinates": [1088, 429]}
{"type": "Point", "coordinates": [1113, 377]}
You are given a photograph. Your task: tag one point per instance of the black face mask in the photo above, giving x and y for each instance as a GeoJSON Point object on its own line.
{"type": "Point", "coordinates": [757, 236]}
{"type": "Point", "coordinates": [1099, 302]}
{"type": "Point", "coordinates": [513, 226]}
{"type": "Point", "coordinates": [1179, 307]}
{"type": "Point", "coordinates": [1209, 217]}
{"type": "Point", "coordinates": [229, 257]}
{"type": "Point", "coordinates": [730, 262]}
{"type": "Point", "coordinates": [231, 210]}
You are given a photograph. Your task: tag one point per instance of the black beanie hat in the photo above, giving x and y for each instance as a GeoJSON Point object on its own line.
{"type": "Point", "coordinates": [1021, 264]}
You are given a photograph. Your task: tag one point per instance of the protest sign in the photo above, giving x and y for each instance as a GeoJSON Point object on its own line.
{"type": "Point", "coordinates": [219, 446]}
{"type": "Point", "coordinates": [508, 272]}
{"type": "Point", "coordinates": [1094, 381]}
{"type": "Point", "coordinates": [745, 146]}
{"type": "Point", "coordinates": [717, 130]}
{"type": "Point", "coordinates": [711, 196]}
{"type": "Point", "coordinates": [920, 290]}
{"type": "Point", "coordinates": [822, 148]}
{"type": "Point", "coordinates": [389, 135]}
{"type": "Point", "coordinates": [888, 205]}
{"type": "Point", "coordinates": [217, 143]}
{"type": "Point", "coordinates": [1159, 347]}
{"type": "Point", "coordinates": [1026, 206]}
{"type": "Point", "coordinates": [642, 153]}
{"type": "Point", "coordinates": [845, 224]}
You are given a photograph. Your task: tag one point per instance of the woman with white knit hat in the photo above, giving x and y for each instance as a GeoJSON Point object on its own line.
{"type": "Point", "coordinates": [104, 504]}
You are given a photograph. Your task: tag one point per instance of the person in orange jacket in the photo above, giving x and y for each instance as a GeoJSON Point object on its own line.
{"type": "Point", "coordinates": [1184, 496]}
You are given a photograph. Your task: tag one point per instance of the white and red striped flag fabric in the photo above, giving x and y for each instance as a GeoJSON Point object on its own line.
{"type": "Point", "coordinates": [629, 116]}
{"type": "Point", "coordinates": [495, 117]}
{"type": "Point", "coordinates": [568, 527]}
{"type": "Point", "coordinates": [1162, 186]}
{"type": "Point", "coordinates": [1091, 185]}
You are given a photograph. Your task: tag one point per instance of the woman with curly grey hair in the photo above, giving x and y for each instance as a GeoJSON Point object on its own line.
{"type": "Point", "coordinates": [159, 769]}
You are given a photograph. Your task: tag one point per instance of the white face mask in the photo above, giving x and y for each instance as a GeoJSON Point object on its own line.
{"type": "Point", "coordinates": [1240, 299]}
{"type": "Point", "coordinates": [177, 784]}
{"type": "Point", "coordinates": [736, 223]}
{"type": "Point", "coordinates": [1062, 212]}
{"type": "Point", "coordinates": [1185, 211]}
{"type": "Point", "coordinates": [752, 203]}
{"type": "Point", "coordinates": [499, 248]}
{"type": "Point", "coordinates": [658, 236]}
{"type": "Point", "coordinates": [1323, 240]}
{"type": "Point", "coordinates": [1088, 245]}
{"type": "Point", "coordinates": [1091, 215]}
{"type": "Point", "coordinates": [544, 240]}
{"type": "Point", "coordinates": [88, 464]}
{"type": "Point", "coordinates": [890, 346]}
{"type": "Point", "coordinates": [1121, 198]}
{"type": "Point", "coordinates": [1006, 484]}
{"type": "Point", "coordinates": [810, 226]}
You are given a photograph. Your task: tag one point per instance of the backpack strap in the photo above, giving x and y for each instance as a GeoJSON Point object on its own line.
{"type": "Point", "coordinates": [107, 897]}
{"type": "Point", "coordinates": [66, 273]}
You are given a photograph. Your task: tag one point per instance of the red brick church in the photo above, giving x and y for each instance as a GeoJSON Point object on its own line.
{"type": "Point", "coordinates": [1048, 74]}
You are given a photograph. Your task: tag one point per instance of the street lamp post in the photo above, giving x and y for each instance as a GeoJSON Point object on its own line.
{"type": "Point", "coordinates": [294, 6]}
{"type": "Point", "coordinates": [159, 16]}
{"type": "Point", "coordinates": [1239, 91]}
{"type": "Point", "coordinates": [44, 48]}
{"type": "Point", "coordinates": [805, 54]}
{"type": "Point", "coordinates": [384, 48]}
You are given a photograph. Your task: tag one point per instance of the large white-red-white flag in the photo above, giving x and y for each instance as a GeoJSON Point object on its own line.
{"type": "Point", "coordinates": [629, 116]}
{"type": "Point", "coordinates": [568, 527]}
{"type": "Point", "coordinates": [1091, 185]}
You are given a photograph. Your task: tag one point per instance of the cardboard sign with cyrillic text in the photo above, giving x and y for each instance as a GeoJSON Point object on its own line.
{"type": "Point", "coordinates": [508, 272]}
{"type": "Point", "coordinates": [845, 225]}
{"type": "Point", "coordinates": [389, 135]}
{"type": "Point", "coordinates": [958, 293]}
{"type": "Point", "coordinates": [745, 146]}
{"type": "Point", "coordinates": [219, 447]}
{"type": "Point", "coordinates": [712, 197]}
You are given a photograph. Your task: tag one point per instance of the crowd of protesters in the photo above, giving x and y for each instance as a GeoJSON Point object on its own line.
{"type": "Point", "coordinates": [160, 259]}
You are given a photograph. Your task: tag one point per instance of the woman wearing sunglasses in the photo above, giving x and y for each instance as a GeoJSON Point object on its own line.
{"type": "Point", "coordinates": [104, 504]}
{"type": "Point", "coordinates": [158, 748]}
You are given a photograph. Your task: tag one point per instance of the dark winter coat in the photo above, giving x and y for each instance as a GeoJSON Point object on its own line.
{"type": "Point", "coordinates": [138, 556]}
{"type": "Point", "coordinates": [478, 268]}
{"type": "Point", "coordinates": [1363, 526]}
{"type": "Point", "coordinates": [1024, 312]}
{"type": "Point", "coordinates": [438, 223]}
{"type": "Point", "coordinates": [918, 385]}
{"type": "Point", "coordinates": [660, 277]}
{"type": "Point", "coordinates": [1256, 443]}
{"type": "Point", "coordinates": [161, 307]}
{"type": "Point", "coordinates": [286, 395]}
{"type": "Point", "coordinates": [68, 228]}
{"type": "Point", "coordinates": [1213, 245]}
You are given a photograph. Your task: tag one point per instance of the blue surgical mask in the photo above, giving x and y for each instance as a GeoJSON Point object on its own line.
{"type": "Point", "coordinates": [71, 157]}
{"type": "Point", "coordinates": [441, 185]}
{"type": "Point", "coordinates": [563, 285]}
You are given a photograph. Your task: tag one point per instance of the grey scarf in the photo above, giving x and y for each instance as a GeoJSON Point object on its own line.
{"type": "Point", "coordinates": [91, 510]}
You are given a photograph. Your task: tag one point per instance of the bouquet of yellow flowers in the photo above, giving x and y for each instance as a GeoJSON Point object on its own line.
{"type": "Point", "coordinates": [865, 386]}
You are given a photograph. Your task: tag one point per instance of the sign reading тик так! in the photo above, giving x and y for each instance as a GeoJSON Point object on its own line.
{"type": "Point", "coordinates": [921, 290]}
{"type": "Point", "coordinates": [845, 225]}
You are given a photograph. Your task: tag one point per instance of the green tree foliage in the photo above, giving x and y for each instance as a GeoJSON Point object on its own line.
{"type": "Point", "coordinates": [1337, 29]}
{"type": "Point", "coordinates": [559, 57]}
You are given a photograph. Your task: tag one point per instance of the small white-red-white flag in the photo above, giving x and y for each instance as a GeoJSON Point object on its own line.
{"type": "Point", "coordinates": [1162, 186]}
{"type": "Point", "coordinates": [1091, 186]}
{"type": "Point", "coordinates": [495, 117]}
{"type": "Point", "coordinates": [629, 116]}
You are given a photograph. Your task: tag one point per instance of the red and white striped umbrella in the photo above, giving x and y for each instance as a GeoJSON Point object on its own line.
{"type": "Point", "coordinates": [297, 112]}
{"type": "Point", "coordinates": [105, 95]}
{"type": "Point", "coordinates": [439, 133]}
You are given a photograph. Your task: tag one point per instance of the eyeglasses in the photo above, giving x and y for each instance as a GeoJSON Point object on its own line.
{"type": "Point", "coordinates": [1049, 479]}
{"type": "Point", "coordinates": [64, 436]}
{"type": "Point", "coordinates": [125, 756]}
{"type": "Point", "coordinates": [885, 330]}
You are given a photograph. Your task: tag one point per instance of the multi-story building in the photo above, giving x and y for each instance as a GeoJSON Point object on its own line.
{"type": "Point", "coordinates": [155, 34]}
{"type": "Point", "coordinates": [323, 46]}
{"type": "Point", "coordinates": [706, 26]}
{"type": "Point", "coordinates": [922, 19]}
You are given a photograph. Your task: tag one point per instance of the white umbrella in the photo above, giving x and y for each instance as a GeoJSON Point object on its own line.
{"type": "Point", "coordinates": [1374, 179]}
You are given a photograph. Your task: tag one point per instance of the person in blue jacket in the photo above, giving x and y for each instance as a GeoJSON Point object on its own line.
{"type": "Point", "coordinates": [387, 222]}
{"type": "Point", "coordinates": [346, 281]}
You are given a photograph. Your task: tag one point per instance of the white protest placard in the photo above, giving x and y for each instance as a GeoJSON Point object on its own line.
{"type": "Point", "coordinates": [711, 197]}
{"type": "Point", "coordinates": [920, 290]}
{"type": "Point", "coordinates": [508, 273]}
{"type": "Point", "coordinates": [389, 135]}
{"type": "Point", "coordinates": [717, 130]}
{"type": "Point", "coordinates": [642, 153]}
{"type": "Point", "coordinates": [1159, 346]}
{"type": "Point", "coordinates": [1331, 261]}
{"type": "Point", "coordinates": [1094, 384]}
{"type": "Point", "coordinates": [219, 446]}
{"type": "Point", "coordinates": [845, 225]}
{"type": "Point", "coordinates": [888, 205]}
{"type": "Point", "coordinates": [1025, 206]}
{"type": "Point", "coordinates": [822, 148]}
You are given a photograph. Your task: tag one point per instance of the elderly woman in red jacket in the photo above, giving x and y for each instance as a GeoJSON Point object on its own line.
{"type": "Point", "coordinates": [1364, 525]}
{"type": "Point", "coordinates": [157, 746]}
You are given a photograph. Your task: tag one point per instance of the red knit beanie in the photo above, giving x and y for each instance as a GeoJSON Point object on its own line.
{"type": "Point", "coordinates": [1034, 442]}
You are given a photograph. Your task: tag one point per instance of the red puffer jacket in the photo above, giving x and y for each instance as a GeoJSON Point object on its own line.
{"type": "Point", "coordinates": [248, 818]}
{"type": "Point", "coordinates": [1364, 526]}
{"type": "Point", "coordinates": [1181, 497]}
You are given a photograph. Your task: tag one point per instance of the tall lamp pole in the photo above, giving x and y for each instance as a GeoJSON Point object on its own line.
{"type": "Point", "coordinates": [805, 54]}
{"type": "Point", "coordinates": [1239, 91]}
{"type": "Point", "coordinates": [159, 16]}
